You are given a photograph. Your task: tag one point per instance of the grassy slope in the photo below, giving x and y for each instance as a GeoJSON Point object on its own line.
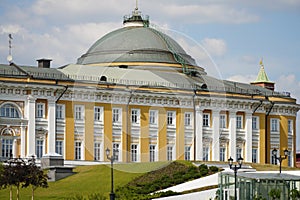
{"type": "Point", "coordinates": [87, 180]}
{"type": "Point", "coordinates": [96, 179]}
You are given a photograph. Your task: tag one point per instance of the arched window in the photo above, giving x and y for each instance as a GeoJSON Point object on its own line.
{"type": "Point", "coordinates": [103, 78]}
{"type": "Point", "coordinates": [10, 111]}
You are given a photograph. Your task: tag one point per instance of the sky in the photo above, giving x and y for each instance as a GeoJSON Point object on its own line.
{"type": "Point", "coordinates": [227, 38]}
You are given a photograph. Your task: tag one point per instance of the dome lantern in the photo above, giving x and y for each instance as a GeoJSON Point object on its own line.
{"type": "Point", "coordinates": [136, 18]}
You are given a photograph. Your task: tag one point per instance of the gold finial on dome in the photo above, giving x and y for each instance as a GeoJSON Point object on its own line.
{"type": "Point", "coordinates": [136, 5]}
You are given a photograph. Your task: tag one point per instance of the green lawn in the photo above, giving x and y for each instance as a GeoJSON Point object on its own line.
{"type": "Point", "coordinates": [96, 179]}
{"type": "Point", "coordinates": [87, 180]}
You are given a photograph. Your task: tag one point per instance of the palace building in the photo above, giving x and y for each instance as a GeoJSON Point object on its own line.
{"type": "Point", "coordinates": [136, 90]}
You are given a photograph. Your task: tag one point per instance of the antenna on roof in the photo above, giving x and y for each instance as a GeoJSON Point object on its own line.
{"type": "Point", "coordinates": [9, 57]}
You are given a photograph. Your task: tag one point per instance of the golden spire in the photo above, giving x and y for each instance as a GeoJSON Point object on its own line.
{"type": "Point", "coordinates": [261, 62]}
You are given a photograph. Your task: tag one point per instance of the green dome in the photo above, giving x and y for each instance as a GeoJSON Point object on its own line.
{"type": "Point", "coordinates": [136, 44]}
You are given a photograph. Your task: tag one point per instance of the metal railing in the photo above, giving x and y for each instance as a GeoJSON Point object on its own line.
{"type": "Point", "coordinates": [189, 86]}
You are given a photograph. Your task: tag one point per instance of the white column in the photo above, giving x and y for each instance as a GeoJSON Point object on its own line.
{"type": "Point", "coordinates": [248, 135]}
{"type": "Point", "coordinates": [232, 134]}
{"type": "Point", "coordinates": [23, 141]}
{"type": "Point", "coordinates": [199, 134]}
{"type": "Point", "coordinates": [14, 148]}
{"type": "Point", "coordinates": [30, 113]}
{"type": "Point", "coordinates": [51, 127]}
{"type": "Point", "coordinates": [216, 135]}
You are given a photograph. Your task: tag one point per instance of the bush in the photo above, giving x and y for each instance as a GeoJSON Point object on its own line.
{"type": "Point", "coordinates": [214, 169]}
{"type": "Point", "coordinates": [95, 196]}
{"type": "Point", "coordinates": [203, 170]}
{"type": "Point", "coordinates": [171, 175]}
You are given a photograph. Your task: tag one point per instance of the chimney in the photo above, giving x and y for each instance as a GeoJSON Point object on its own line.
{"type": "Point", "coordinates": [44, 63]}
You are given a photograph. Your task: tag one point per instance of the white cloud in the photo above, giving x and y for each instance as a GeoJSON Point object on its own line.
{"type": "Point", "coordinates": [249, 59]}
{"type": "Point", "coordinates": [216, 47]}
{"type": "Point", "coordinates": [71, 7]}
{"type": "Point", "coordinates": [242, 78]}
{"type": "Point", "coordinates": [62, 44]}
{"type": "Point", "coordinates": [288, 83]}
{"type": "Point", "coordinates": [12, 28]}
{"type": "Point", "coordinates": [209, 13]}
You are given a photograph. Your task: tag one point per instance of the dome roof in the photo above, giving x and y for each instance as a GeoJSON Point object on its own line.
{"type": "Point", "coordinates": [136, 44]}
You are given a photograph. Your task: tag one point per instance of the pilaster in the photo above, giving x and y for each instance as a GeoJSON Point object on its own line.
{"type": "Point", "coordinates": [23, 141]}
{"type": "Point", "coordinates": [216, 135]}
{"type": "Point", "coordinates": [248, 137]}
{"type": "Point", "coordinates": [232, 135]}
{"type": "Point", "coordinates": [15, 148]}
{"type": "Point", "coordinates": [199, 134]}
{"type": "Point", "coordinates": [30, 111]}
{"type": "Point", "coordinates": [51, 127]}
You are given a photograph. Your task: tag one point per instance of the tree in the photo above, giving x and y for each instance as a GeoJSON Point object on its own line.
{"type": "Point", "coordinates": [35, 177]}
{"type": "Point", "coordinates": [13, 174]}
{"type": "Point", "coordinates": [295, 194]}
{"type": "Point", "coordinates": [18, 172]}
{"type": "Point", "coordinates": [259, 197]}
{"type": "Point", "coordinates": [275, 193]}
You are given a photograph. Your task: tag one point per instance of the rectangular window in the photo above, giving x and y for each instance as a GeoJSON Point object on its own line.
{"type": "Point", "coordinates": [134, 152]}
{"type": "Point", "coordinates": [187, 153]}
{"type": "Point", "coordinates": [153, 117]}
{"type": "Point", "coordinates": [116, 115]}
{"type": "Point", "coordinates": [116, 147]}
{"type": "Point", "coordinates": [135, 116]}
{"type": "Point", "coordinates": [97, 151]}
{"type": "Point", "coordinates": [223, 121]}
{"type": "Point", "coordinates": [206, 120]}
{"type": "Point", "coordinates": [254, 155]}
{"type": "Point", "coordinates": [98, 114]}
{"type": "Point", "coordinates": [222, 153]}
{"type": "Point", "coordinates": [255, 123]}
{"type": "Point", "coordinates": [40, 109]}
{"type": "Point", "coordinates": [239, 153]}
{"type": "Point", "coordinates": [170, 153]}
{"type": "Point", "coordinates": [79, 112]}
{"type": "Point", "coordinates": [289, 158]}
{"type": "Point", "coordinates": [59, 147]}
{"type": "Point", "coordinates": [171, 118]}
{"type": "Point", "coordinates": [290, 126]}
{"type": "Point", "coordinates": [239, 121]}
{"type": "Point", "coordinates": [7, 146]}
{"type": "Point", "coordinates": [39, 148]}
{"type": "Point", "coordinates": [205, 153]}
{"type": "Point", "coordinates": [60, 111]}
{"type": "Point", "coordinates": [274, 125]}
{"type": "Point", "coordinates": [187, 119]}
{"type": "Point", "coordinates": [152, 152]}
{"type": "Point", "coordinates": [77, 150]}
{"type": "Point", "coordinates": [273, 158]}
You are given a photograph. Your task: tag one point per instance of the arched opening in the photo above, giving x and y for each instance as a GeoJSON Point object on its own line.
{"type": "Point", "coordinates": [9, 110]}
{"type": "Point", "coordinates": [103, 78]}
